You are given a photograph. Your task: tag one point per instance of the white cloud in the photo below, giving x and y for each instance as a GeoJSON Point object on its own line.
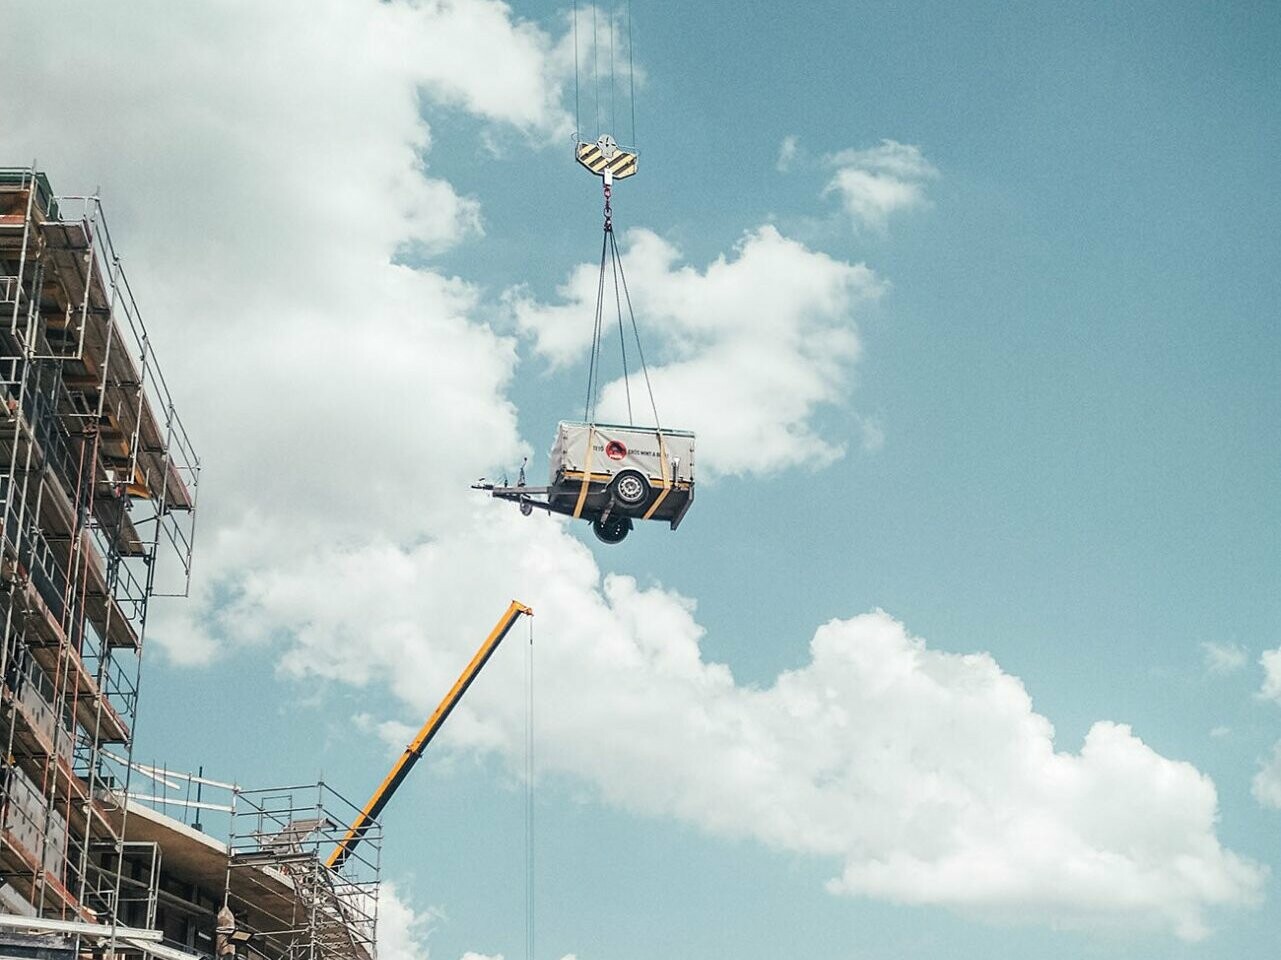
{"type": "Point", "coordinates": [480, 56]}
{"type": "Point", "coordinates": [889, 157]}
{"type": "Point", "coordinates": [787, 153]}
{"type": "Point", "coordinates": [926, 775]}
{"type": "Point", "coordinates": [402, 930]}
{"type": "Point", "coordinates": [393, 734]}
{"type": "Point", "coordinates": [260, 177]}
{"type": "Point", "coordinates": [1271, 663]}
{"type": "Point", "coordinates": [1266, 785]}
{"type": "Point", "coordinates": [745, 352]}
{"type": "Point", "coordinates": [1223, 657]}
{"type": "Point", "coordinates": [266, 166]}
{"type": "Point", "coordinates": [873, 433]}
{"type": "Point", "coordinates": [879, 181]}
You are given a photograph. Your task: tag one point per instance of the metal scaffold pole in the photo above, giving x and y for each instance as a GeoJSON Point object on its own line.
{"type": "Point", "coordinates": [89, 458]}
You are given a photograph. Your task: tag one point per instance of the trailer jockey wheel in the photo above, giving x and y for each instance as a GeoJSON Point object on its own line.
{"type": "Point", "coordinates": [611, 529]}
{"type": "Point", "coordinates": [630, 488]}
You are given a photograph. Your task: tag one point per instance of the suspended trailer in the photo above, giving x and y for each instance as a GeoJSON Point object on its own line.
{"type": "Point", "coordinates": [612, 475]}
{"type": "Point", "coordinates": [607, 473]}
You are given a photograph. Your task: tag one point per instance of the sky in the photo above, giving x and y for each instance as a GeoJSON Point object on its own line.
{"type": "Point", "coordinates": [971, 643]}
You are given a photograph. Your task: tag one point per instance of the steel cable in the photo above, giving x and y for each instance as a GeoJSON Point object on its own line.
{"type": "Point", "coordinates": [593, 371]}
{"type": "Point", "coordinates": [640, 350]}
{"type": "Point", "coordinates": [529, 796]}
{"type": "Point", "coordinates": [622, 337]}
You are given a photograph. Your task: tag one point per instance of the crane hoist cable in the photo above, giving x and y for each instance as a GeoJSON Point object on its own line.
{"type": "Point", "coordinates": [604, 158]}
{"type": "Point", "coordinates": [610, 474]}
{"type": "Point", "coordinates": [529, 795]}
{"type": "Point", "coordinates": [631, 75]}
{"type": "Point", "coordinates": [588, 74]}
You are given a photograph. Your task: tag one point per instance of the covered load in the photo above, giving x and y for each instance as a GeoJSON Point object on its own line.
{"type": "Point", "coordinates": [612, 475]}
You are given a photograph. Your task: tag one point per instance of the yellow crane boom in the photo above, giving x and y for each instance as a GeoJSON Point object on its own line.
{"type": "Point", "coordinates": [415, 749]}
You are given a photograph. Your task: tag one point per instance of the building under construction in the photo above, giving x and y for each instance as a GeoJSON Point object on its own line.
{"type": "Point", "coordinates": [98, 483]}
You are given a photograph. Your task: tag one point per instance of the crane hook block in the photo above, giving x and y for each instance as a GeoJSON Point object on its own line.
{"type": "Point", "coordinates": [606, 155]}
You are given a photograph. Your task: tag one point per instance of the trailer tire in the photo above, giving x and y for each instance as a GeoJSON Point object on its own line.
{"type": "Point", "coordinates": [612, 529]}
{"type": "Point", "coordinates": [630, 488]}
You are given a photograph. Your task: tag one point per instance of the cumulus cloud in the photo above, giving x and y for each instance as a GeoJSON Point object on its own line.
{"type": "Point", "coordinates": [879, 181]}
{"type": "Point", "coordinates": [928, 776]}
{"type": "Point", "coordinates": [393, 734]}
{"type": "Point", "coordinates": [745, 351]}
{"type": "Point", "coordinates": [267, 177]}
{"type": "Point", "coordinates": [263, 179]}
{"type": "Point", "coordinates": [1266, 785]}
{"type": "Point", "coordinates": [1223, 657]}
{"type": "Point", "coordinates": [402, 929]}
{"type": "Point", "coordinates": [481, 56]}
{"type": "Point", "coordinates": [1271, 663]}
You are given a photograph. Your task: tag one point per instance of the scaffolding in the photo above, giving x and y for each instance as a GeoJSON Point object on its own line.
{"type": "Point", "coordinates": [98, 482]}
{"type": "Point", "coordinates": [288, 834]}
{"type": "Point", "coordinates": [248, 868]}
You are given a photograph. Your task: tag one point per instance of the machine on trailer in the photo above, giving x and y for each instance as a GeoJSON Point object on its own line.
{"type": "Point", "coordinates": [611, 475]}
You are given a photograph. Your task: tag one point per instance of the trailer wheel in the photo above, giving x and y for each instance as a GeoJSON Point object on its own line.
{"type": "Point", "coordinates": [611, 529]}
{"type": "Point", "coordinates": [630, 488]}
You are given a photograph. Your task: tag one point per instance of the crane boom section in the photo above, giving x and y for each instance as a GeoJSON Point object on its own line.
{"type": "Point", "coordinates": [401, 768]}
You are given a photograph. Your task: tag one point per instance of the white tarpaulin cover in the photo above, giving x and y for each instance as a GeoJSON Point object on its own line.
{"type": "Point", "coordinates": [607, 449]}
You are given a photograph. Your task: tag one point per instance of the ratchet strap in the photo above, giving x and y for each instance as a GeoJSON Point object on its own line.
{"type": "Point", "coordinates": [587, 473]}
{"type": "Point", "coordinates": [667, 480]}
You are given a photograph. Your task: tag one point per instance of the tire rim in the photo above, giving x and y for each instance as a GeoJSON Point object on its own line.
{"type": "Point", "coordinates": [631, 490]}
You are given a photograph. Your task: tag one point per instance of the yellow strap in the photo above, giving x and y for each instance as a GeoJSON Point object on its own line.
{"type": "Point", "coordinates": [587, 475]}
{"type": "Point", "coordinates": [667, 483]}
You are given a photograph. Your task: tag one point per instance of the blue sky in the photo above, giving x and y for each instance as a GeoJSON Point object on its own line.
{"type": "Point", "coordinates": [1058, 444]}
